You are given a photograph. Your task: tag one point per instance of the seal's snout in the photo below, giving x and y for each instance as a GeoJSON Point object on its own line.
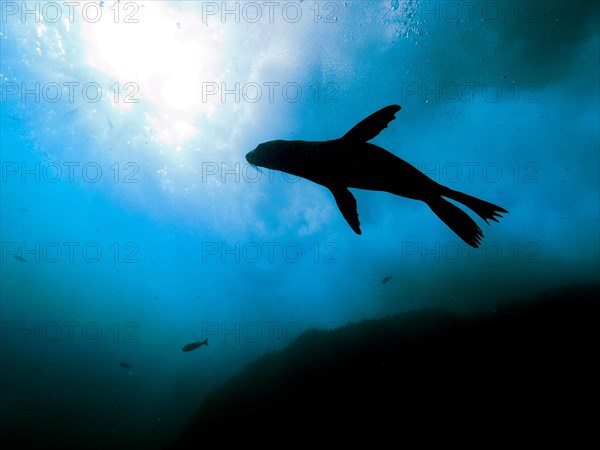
{"type": "Point", "coordinates": [257, 156]}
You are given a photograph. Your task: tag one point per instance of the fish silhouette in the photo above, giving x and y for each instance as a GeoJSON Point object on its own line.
{"type": "Point", "coordinates": [194, 345]}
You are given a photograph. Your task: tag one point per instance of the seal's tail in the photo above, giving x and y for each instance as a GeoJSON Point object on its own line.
{"type": "Point", "coordinates": [485, 210]}
{"type": "Point", "coordinates": [459, 221]}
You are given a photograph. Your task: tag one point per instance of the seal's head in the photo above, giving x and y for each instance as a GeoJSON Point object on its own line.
{"type": "Point", "coordinates": [267, 155]}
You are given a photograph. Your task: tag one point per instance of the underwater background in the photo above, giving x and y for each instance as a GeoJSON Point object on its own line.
{"type": "Point", "coordinates": [132, 225]}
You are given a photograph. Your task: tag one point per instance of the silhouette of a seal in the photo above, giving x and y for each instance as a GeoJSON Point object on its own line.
{"type": "Point", "coordinates": [352, 162]}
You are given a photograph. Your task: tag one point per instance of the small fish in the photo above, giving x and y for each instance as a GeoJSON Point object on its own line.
{"type": "Point", "coordinates": [194, 345]}
{"type": "Point", "coordinates": [386, 279]}
{"type": "Point", "coordinates": [20, 258]}
{"type": "Point", "coordinates": [125, 365]}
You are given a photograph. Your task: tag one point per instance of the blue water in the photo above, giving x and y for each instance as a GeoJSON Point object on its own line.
{"type": "Point", "coordinates": [131, 223]}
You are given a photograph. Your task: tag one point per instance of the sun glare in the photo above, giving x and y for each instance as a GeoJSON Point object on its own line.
{"type": "Point", "coordinates": [167, 54]}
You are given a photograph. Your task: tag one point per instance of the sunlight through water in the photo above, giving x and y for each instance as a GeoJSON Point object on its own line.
{"type": "Point", "coordinates": [165, 60]}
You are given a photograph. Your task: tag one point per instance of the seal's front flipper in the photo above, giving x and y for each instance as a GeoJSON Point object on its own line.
{"type": "Point", "coordinates": [347, 205]}
{"type": "Point", "coordinates": [370, 127]}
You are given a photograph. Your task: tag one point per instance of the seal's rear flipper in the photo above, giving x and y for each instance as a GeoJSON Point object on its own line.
{"type": "Point", "coordinates": [347, 205]}
{"type": "Point", "coordinates": [485, 210]}
{"type": "Point", "coordinates": [370, 127]}
{"type": "Point", "coordinates": [458, 220]}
